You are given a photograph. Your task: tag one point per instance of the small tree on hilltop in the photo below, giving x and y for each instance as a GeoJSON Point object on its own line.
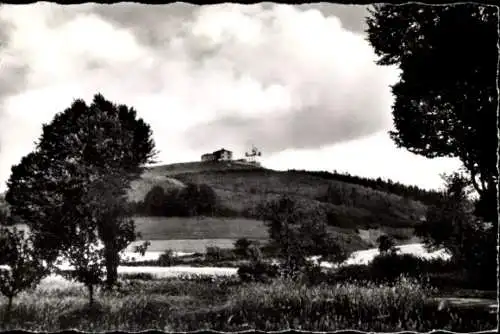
{"type": "Point", "coordinates": [26, 269]}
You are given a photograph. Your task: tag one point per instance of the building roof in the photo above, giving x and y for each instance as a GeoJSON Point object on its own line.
{"type": "Point", "coordinates": [222, 150]}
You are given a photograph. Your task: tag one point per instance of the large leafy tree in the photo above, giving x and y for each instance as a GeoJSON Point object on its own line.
{"type": "Point", "coordinates": [446, 99]}
{"type": "Point", "coordinates": [77, 177]}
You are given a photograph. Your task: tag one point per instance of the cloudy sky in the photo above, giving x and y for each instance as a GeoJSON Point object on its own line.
{"type": "Point", "coordinates": [299, 82]}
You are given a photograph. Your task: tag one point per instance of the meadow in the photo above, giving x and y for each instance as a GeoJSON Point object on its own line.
{"type": "Point", "coordinates": [226, 304]}
{"type": "Point", "coordinates": [181, 228]}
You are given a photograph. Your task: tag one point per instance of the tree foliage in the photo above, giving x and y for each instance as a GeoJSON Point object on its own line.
{"type": "Point", "coordinates": [453, 226]}
{"type": "Point", "coordinates": [386, 244]}
{"type": "Point", "coordinates": [25, 269]}
{"type": "Point", "coordinates": [446, 98]}
{"type": "Point", "coordinates": [297, 234]}
{"type": "Point", "coordinates": [192, 200]}
{"type": "Point", "coordinates": [70, 190]}
{"type": "Point", "coordinates": [388, 186]}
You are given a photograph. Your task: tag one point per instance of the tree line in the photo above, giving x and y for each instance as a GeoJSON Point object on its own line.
{"type": "Point", "coordinates": [189, 201]}
{"type": "Point", "coordinates": [425, 196]}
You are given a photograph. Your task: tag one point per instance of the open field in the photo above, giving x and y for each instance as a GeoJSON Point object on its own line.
{"type": "Point", "coordinates": [184, 245]}
{"type": "Point", "coordinates": [225, 304]}
{"type": "Point", "coordinates": [161, 228]}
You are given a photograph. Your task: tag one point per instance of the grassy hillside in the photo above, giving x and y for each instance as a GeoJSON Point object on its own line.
{"type": "Point", "coordinates": [356, 205]}
{"type": "Point", "coordinates": [361, 210]}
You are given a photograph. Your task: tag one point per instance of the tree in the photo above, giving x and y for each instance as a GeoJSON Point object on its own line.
{"type": "Point", "coordinates": [154, 202]}
{"type": "Point", "coordinates": [297, 234]}
{"type": "Point", "coordinates": [198, 199]}
{"type": "Point", "coordinates": [25, 270]}
{"type": "Point", "coordinates": [3, 217]}
{"type": "Point", "coordinates": [386, 244]}
{"type": "Point", "coordinates": [81, 168]}
{"type": "Point", "coordinates": [241, 247]}
{"type": "Point", "coordinates": [453, 226]}
{"type": "Point", "coordinates": [446, 100]}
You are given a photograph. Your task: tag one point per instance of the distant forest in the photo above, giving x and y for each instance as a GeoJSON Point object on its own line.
{"type": "Point", "coordinates": [428, 197]}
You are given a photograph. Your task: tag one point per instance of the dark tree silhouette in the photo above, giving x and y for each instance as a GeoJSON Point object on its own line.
{"type": "Point", "coordinates": [154, 201]}
{"type": "Point", "coordinates": [77, 177]}
{"type": "Point", "coordinates": [446, 99]}
{"type": "Point", "coordinates": [453, 226]}
{"type": "Point", "coordinates": [386, 244]}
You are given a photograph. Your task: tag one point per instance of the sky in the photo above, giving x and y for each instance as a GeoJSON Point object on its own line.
{"type": "Point", "coordinates": [298, 82]}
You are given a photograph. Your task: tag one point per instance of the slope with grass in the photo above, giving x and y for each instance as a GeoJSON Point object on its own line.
{"type": "Point", "coordinates": [357, 212]}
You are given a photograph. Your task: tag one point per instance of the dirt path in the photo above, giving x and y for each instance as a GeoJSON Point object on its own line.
{"type": "Point", "coordinates": [452, 302]}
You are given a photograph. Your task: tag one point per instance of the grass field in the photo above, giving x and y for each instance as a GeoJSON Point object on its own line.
{"type": "Point", "coordinates": [196, 233]}
{"type": "Point", "coordinates": [225, 304]}
{"type": "Point", "coordinates": [185, 245]}
{"type": "Point", "coordinates": [178, 228]}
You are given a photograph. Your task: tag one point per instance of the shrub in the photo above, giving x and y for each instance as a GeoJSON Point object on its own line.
{"type": "Point", "coordinates": [138, 276]}
{"type": "Point", "coordinates": [241, 247]}
{"type": "Point", "coordinates": [214, 253]}
{"type": "Point", "coordinates": [351, 273]}
{"type": "Point", "coordinates": [258, 271]}
{"type": "Point", "coordinates": [386, 244]}
{"type": "Point", "coordinates": [166, 259]}
{"type": "Point", "coordinates": [388, 267]}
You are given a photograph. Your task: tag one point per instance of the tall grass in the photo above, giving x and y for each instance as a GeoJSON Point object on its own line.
{"type": "Point", "coordinates": [226, 304]}
{"type": "Point", "coordinates": [288, 304]}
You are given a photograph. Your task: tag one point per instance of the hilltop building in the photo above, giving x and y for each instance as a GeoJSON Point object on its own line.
{"type": "Point", "coordinates": [220, 155]}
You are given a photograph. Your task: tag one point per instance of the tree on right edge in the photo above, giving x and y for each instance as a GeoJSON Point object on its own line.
{"type": "Point", "coordinates": [446, 99]}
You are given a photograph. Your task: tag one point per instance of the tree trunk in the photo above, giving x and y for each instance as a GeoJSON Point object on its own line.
{"type": "Point", "coordinates": [90, 287]}
{"type": "Point", "coordinates": [9, 308]}
{"type": "Point", "coordinates": [112, 261]}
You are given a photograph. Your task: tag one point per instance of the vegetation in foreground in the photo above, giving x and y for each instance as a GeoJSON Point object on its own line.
{"type": "Point", "coordinates": [226, 304]}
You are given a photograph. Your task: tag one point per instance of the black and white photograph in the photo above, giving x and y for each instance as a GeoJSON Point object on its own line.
{"type": "Point", "coordinates": [238, 167]}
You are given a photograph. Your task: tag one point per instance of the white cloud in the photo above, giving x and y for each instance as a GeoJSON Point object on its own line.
{"type": "Point", "coordinates": [304, 80]}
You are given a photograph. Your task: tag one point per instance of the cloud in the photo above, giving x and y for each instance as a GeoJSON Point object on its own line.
{"type": "Point", "coordinates": [299, 80]}
{"type": "Point", "coordinates": [282, 77]}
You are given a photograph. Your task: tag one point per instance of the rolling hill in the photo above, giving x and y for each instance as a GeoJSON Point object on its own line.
{"type": "Point", "coordinates": [359, 210]}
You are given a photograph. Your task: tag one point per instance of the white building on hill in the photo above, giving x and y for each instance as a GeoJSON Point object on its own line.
{"type": "Point", "coordinates": [220, 155]}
